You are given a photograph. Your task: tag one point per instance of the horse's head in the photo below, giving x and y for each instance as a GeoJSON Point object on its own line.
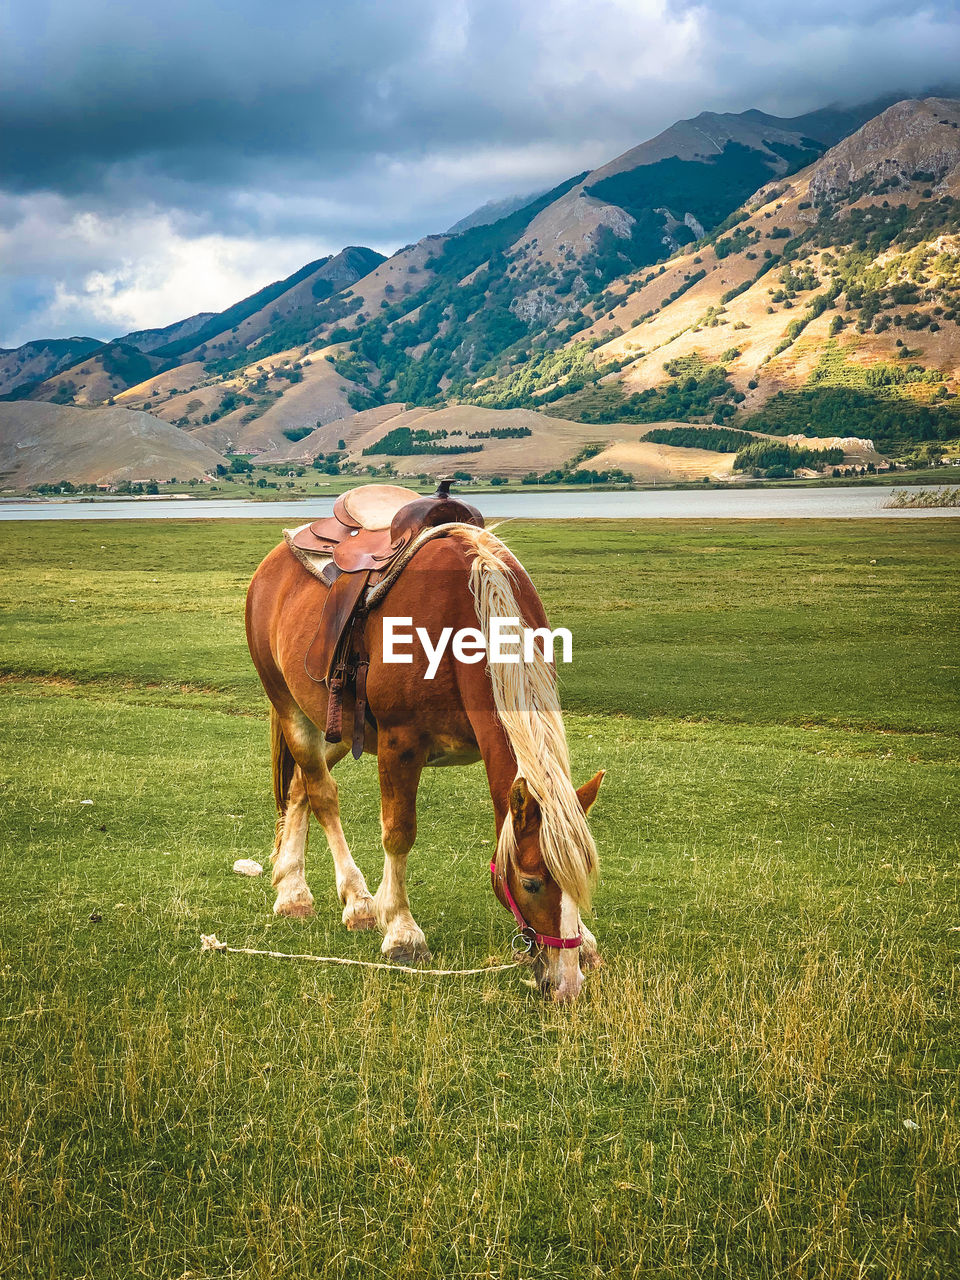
{"type": "Point", "coordinates": [532, 892]}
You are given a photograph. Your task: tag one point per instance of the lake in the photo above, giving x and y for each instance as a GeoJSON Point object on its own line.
{"type": "Point", "coordinates": [848, 502]}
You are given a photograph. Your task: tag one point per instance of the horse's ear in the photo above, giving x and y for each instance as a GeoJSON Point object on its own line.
{"type": "Point", "coordinates": [588, 792]}
{"type": "Point", "coordinates": [522, 804]}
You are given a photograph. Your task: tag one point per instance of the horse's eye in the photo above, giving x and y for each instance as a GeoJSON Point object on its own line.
{"type": "Point", "coordinates": [532, 886]}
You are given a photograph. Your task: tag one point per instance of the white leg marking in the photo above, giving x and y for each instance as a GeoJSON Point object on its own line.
{"type": "Point", "coordinates": [403, 939]}
{"type": "Point", "coordinates": [351, 886]}
{"type": "Point", "coordinates": [589, 955]}
{"type": "Point", "coordinates": [289, 856]}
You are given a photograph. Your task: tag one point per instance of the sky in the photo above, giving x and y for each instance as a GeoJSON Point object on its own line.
{"type": "Point", "coordinates": [163, 159]}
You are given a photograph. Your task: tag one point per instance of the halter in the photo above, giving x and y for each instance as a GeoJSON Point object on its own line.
{"type": "Point", "coordinates": [528, 936]}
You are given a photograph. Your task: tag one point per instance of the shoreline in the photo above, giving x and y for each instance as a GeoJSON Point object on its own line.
{"type": "Point", "coordinates": [742, 503]}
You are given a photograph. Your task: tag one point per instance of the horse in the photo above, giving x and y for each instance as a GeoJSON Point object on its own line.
{"type": "Point", "coordinates": [505, 715]}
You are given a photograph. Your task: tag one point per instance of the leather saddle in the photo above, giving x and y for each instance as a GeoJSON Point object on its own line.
{"type": "Point", "coordinates": [370, 529]}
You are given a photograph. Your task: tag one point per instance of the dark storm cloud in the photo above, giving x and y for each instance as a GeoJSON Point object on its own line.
{"type": "Point", "coordinates": [212, 93]}
{"type": "Point", "coordinates": [207, 91]}
{"type": "Point", "coordinates": [376, 122]}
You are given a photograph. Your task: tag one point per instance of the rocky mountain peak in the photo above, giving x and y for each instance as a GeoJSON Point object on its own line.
{"type": "Point", "coordinates": [912, 141]}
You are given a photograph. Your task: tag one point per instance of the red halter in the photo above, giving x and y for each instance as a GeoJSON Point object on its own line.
{"type": "Point", "coordinates": [527, 931]}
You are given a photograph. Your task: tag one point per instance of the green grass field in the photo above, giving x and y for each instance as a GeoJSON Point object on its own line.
{"type": "Point", "coordinates": [763, 1082]}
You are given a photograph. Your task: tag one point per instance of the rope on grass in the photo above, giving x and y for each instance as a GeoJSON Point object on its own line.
{"type": "Point", "coordinates": [210, 942]}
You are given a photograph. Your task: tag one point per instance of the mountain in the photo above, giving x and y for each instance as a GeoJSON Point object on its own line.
{"type": "Point", "coordinates": [285, 308]}
{"type": "Point", "coordinates": [731, 323]}
{"type": "Point", "coordinates": [493, 211]}
{"type": "Point", "coordinates": [148, 340]}
{"type": "Point", "coordinates": [44, 443]}
{"type": "Point", "coordinates": [668, 191]}
{"type": "Point", "coordinates": [89, 372]}
{"type": "Point", "coordinates": [829, 305]}
{"type": "Point", "coordinates": [783, 277]}
{"type": "Point", "coordinates": [36, 361]}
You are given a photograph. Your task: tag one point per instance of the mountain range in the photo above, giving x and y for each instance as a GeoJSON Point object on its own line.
{"type": "Point", "coordinates": [747, 273]}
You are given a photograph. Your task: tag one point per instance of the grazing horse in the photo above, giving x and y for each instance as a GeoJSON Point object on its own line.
{"type": "Point", "coordinates": [507, 715]}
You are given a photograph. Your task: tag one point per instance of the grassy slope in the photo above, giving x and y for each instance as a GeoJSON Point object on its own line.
{"type": "Point", "coordinates": [728, 1098]}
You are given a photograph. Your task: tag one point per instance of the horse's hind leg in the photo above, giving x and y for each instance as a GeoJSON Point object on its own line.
{"type": "Point", "coordinates": [351, 886]}
{"type": "Point", "coordinates": [312, 787]}
{"type": "Point", "coordinates": [289, 852]}
{"type": "Point", "coordinates": [400, 769]}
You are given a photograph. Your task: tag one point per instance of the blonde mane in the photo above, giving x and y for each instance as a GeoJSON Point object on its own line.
{"type": "Point", "coordinates": [525, 697]}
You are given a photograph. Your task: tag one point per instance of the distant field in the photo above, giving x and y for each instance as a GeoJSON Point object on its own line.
{"type": "Point", "coordinates": [764, 1080]}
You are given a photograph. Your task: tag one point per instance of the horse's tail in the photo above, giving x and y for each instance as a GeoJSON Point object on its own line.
{"type": "Point", "coordinates": [282, 761]}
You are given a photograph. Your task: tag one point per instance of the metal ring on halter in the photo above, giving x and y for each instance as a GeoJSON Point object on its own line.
{"type": "Point", "coordinates": [521, 943]}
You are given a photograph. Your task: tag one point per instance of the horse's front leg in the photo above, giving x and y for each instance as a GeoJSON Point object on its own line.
{"type": "Point", "coordinates": [589, 955]}
{"type": "Point", "coordinates": [400, 763]}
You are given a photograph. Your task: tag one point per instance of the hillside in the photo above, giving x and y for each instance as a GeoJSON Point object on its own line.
{"type": "Point", "coordinates": [42, 443]}
{"type": "Point", "coordinates": [100, 376]}
{"type": "Point", "coordinates": [279, 315]}
{"type": "Point", "coordinates": [494, 290]}
{"type": "Point", "coordinates": [668, 191]}
{"type": "Point", "coordinates": [514, 443]}
{"type": "Point", "coordinates": [254, 408]}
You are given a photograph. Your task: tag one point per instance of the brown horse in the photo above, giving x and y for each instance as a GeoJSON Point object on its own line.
{"type": "Point", "coordinates": [506, 715]}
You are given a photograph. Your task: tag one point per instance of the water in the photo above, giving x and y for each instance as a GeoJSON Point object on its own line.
{"type": "Point", "coordinates": [845, 503]}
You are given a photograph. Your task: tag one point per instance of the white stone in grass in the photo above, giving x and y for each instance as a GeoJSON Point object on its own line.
{"type": "Point", "coordinates": [86, 802]}
{"type": "Point", "coordinates": [910, 1124]}
{"type": "Point", "coordinates": [247, 867]}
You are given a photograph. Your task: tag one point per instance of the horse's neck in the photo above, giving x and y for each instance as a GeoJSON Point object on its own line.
{"type": "Point", "coordinates": [501, 766]}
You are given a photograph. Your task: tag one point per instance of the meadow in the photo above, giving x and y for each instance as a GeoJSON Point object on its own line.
{"type": "Point", "coordinates": [764, 1080]}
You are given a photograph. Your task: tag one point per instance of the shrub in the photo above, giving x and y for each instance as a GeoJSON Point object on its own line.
{"type": "Point", "coordinates": [722, 439]}
{"type": "Point", "coordinates": [773, 459]}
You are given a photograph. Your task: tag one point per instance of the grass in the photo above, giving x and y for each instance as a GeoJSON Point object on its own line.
{"type": "Point", "coordinates": [764, 1080]}
{"type": "Point", "coordinates": [945, 497]}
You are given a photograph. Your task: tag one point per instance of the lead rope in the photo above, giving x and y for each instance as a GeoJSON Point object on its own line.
{"type": "Point", "coordinates": [210, 942]}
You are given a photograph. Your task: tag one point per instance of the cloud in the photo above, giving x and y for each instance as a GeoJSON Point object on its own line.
{"type": "Point", "coordinates": [105, 276]}
{"type": "Point", "coordinates": [258, 131]}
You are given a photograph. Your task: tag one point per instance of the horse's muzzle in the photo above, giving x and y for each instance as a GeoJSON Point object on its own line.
{"type": "Point", "coordinates": [558, 976]}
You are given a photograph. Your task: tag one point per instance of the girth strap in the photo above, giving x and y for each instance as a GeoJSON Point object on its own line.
{"type": "Point", "coordinates": [333, 731]}
{"type": "Point", "coordinates": [360, 689]}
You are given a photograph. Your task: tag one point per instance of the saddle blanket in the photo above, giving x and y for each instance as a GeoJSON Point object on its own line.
{"type": "Point", "coordinates": [312, 561]}
{"type": "Point", "coordinates": [315, 562]}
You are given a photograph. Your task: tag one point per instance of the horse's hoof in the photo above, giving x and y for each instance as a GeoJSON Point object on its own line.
{"type": "Point", "coordinates": [359, 915]}
{"type": "Point", "coordinates": [296, 909]}
{"type": "Point", "coordinates": [408, 952]}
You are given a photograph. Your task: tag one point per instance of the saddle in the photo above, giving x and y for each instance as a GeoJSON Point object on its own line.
{"type": "Point", "coordinates": [370, 529]}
